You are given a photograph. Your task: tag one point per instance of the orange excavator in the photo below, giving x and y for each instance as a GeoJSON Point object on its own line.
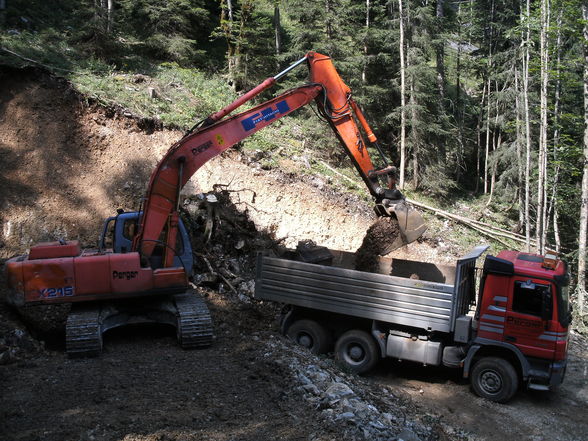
{"type": "Point", "coordinates": [141, 269]}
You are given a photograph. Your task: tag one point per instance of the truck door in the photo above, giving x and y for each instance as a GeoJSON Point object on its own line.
{"type": "Point", "coordinates": [529, 318]}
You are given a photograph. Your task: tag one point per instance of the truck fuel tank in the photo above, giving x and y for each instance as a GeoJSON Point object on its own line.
{"type": "Point", "coordinates": [404, 346]}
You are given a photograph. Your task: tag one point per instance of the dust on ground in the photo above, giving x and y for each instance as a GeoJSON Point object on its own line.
{"type": "Point", "coordinates": [145, 387]}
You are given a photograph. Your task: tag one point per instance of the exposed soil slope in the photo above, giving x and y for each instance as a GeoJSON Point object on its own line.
{"type": "Point", "coordinates": [67, 167]}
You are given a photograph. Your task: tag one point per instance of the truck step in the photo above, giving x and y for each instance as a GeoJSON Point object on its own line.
{"type": "Point", "coordinates": [194, 328]}
{"type": "Point", "coordinates": [535, 386]}
{"type": "Point", "coordinates": [83, 332]}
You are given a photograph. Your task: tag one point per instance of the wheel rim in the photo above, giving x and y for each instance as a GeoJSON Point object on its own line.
{"type": "Point", "coordinates": [304, 339]}
{"type": "Point", "coordinates": [490, 382]}
{"type": "Point", "coordinates": [354, 354]}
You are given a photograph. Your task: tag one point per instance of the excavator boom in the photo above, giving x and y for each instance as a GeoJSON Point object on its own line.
{"type": "Point", "coordinates": [219, 132]}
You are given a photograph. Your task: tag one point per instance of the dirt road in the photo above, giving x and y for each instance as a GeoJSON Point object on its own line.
{"type": "Point", "coordinates": [531, 416]}
{"type": "Point", "coordinates": [145, 387]}
{"type": "Point", "coordinates": [247, 386]}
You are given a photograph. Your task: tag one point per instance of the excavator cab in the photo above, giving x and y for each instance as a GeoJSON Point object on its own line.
{"type": "Point", "coordinates": [118, 233]}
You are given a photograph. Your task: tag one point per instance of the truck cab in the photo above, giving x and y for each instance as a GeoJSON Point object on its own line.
{"type": "Point", "coordinates": [522, 318]}
{"type": "Point", "coordinates": [118, 232]}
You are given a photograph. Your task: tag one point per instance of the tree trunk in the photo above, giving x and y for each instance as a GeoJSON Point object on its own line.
{"type": "Point", "coordinates": [519, 136]}
{"type": "Point", "coordinates": [440, 53]}
{"type": "Point", "coordinates": [556, 129]}
{"type": "Point", "coordinates": [226, 19]}
{"type": "Point", "coordinates": [414, 137]}
{"type": "Point", "coordinates": [365, 47]}
{"type": "Point", "coordinates": [329, 26]}
{"type": "Point", "coordinates": [581, 286]}
{"type": "Point", "coordinates": [496, 144]}
{"type": "Point", "coordinates": [110, 16]}
{"type": "Point", "coordinates": [489, 72]}
{"type": "Point", "coordinates": [542, 162]}
{"type": "Point", "coordinates": [527, 125]}
{"type": "Point", "coordinates": [487, 150]}
{"type": "Point", "coordinates": [413, 104]}
{"type": "Point", "coordinates": [479, 138]}
{"type": "Point", "coordinates": [277, 32]}
{"type": "Point", "coordinates": [459, 110]}
{"type": "Point", "coordinates": [234, 35]}
{"type": "Point", "coordinates": [402, 98]}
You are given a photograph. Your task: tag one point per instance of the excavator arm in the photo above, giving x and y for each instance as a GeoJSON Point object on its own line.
{"type": "Point", "coordinates": [159, 222]}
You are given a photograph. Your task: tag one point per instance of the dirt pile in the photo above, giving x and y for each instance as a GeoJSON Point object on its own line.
{"type": "Point", "coordinates": [16, 342]}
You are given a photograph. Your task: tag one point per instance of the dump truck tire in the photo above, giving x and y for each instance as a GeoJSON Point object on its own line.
{"type": "Point", "coordinates": [357, 351]}
{"type": "Point", "coordinates": [495, 379]}
{"type": "Point", "coordinates": [311, 335]}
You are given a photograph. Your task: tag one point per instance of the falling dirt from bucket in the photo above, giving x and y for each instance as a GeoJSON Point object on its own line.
{"type": "Point", "coordinates": [377, 242]}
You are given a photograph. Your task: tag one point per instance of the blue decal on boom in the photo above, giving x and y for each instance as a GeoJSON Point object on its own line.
{"type": "Point", "coordinates": [266, 114]}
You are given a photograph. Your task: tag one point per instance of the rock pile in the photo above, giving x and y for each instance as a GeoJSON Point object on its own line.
{"type": "Point", "coordinates": [342, 399]}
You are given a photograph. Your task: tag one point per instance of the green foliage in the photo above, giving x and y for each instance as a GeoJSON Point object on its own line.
{"type": "Point", "coordinates": [184, 96]}
{"type": "Point", "coordinates": [169, 30]}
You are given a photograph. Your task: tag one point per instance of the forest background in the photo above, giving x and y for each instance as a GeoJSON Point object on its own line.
{"type": "Point", "coordinates": [482, 101]}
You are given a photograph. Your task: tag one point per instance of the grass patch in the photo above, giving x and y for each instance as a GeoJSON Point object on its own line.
{"type": "Point", "coordinates": [182, 96]}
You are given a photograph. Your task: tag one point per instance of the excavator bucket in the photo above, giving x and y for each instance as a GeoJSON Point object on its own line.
{"type": "Point", "coordinates": [410, 226]}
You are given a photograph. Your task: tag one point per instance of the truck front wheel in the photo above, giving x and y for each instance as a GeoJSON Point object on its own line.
{"type": "Point", "coordinates": [357, 351]}
{"type": "Point", "coordinates": [495, 379]}
{"type": "Point", "coordinates": [311, 335]}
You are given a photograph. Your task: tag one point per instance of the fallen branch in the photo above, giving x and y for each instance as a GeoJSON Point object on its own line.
{"type": "Point", "coordinates": [339, 174]}
{"type": "Point", "coordinates": [212, 271]}
{"type": "Point", "coordinates": [30, 60]}
{"type": "Point", "coordinates": [206, 261]}
{"type": "Point", "coordinates": [481, 227]}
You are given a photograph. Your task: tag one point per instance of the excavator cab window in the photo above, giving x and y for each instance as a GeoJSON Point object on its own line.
{"type": "Point", "coordinates": [107, 237]}
{"type": "Point", "coordinates": [130, 229]}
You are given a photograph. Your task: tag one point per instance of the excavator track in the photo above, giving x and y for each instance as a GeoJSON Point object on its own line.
{"type": "Point", "coordinates": [194, 328]}
{"type": "Point", "coordinates": [83, 332]}
{"type": "Point", "coordinates": [187, 312]}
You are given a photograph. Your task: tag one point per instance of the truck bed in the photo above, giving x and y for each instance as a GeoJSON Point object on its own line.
{"type": "Point", "coordinates": [419, 303]}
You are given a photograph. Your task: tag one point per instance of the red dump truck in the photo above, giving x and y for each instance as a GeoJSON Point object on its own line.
{"type": "Point", "coordinates": [505, 325]}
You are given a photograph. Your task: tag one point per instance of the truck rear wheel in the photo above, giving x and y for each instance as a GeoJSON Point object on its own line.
{"type": "Point", "coordinates": [357, 351]}
{"type": "Point", "coordinates": [311, 335]}
{"type": "Point", "coordinates": [495, 379]}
